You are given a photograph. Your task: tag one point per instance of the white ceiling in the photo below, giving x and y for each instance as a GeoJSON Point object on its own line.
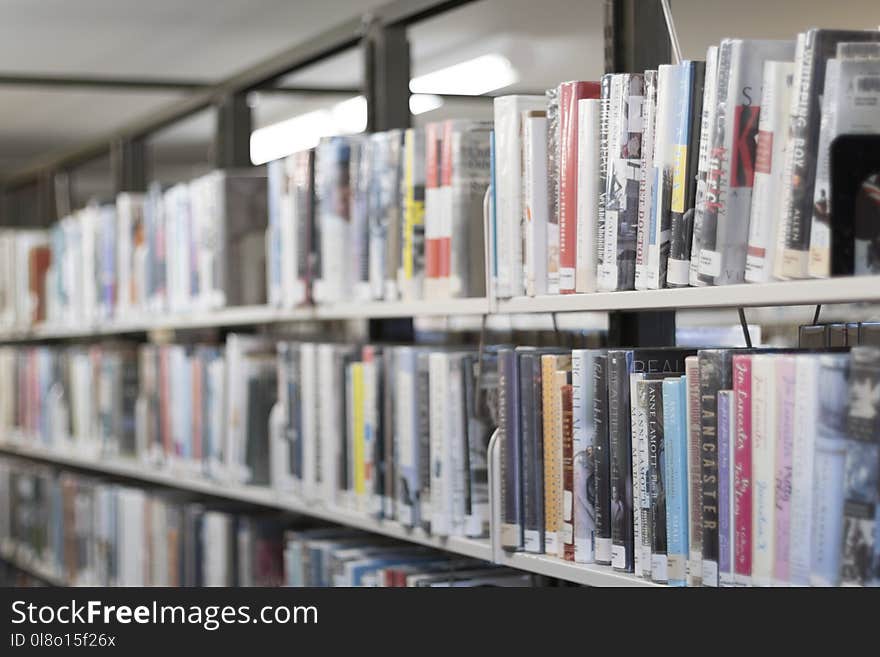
{"type": "Point", "coordinates": [547, 41]}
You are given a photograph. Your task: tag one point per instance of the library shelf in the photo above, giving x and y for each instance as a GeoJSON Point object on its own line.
{"type": "Point", "coordinates": [28, 562]}
{"type": "Point", "coordinates": [581, 573]}
{"type": "Point", "coordinates": [257, 495]}
{"type": "Point", "coordinates": [777, 293]}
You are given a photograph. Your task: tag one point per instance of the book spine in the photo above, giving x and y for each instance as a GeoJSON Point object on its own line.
{"type": "Point", "coordinates": [656, 483]}
{"type": "Point", "coordinates": [602, 255]}
{"type": "Point", "coordinates": [619, 368]}
{"type": "Point", "coordinates": [806, 421]}
{"type": "Point", "coordinates": [423, 395]}
{"type": "Point", "coordinates": [684, 171]}
{"type": "Point", "coordinates": [589, 111]}
{"type": "Point", "coordinates": [508, 426]}
{"type": "Point", "coordinates": [658, 223]}
{"type": "Point", "coordinates": [413, 242]}
{"type": "Point", "coordinates": [554, 166]}
{"type": "Point", "coordinates": [785, 400]}
{"type": "Point", "coordinates": [456, 465]}
{"type": "Point", "coordinates": [694, 470]}
{"type": "Point", "coordinates": [607, 273]}
{"type": "Point", "coordinates": [568, 490]}
{"type": "Point", "coordinates": [710, 383]}
{"type": "Point", "coordinates": [603, 460]}
{"type": "Point", "coordinates": [861, 505]}
{"type": "Point", "coordinates": [725, 493]}
{"type": "Point", "coordinates": [535, 204]}
{"type": "Point", "coordinates": [570, 93]}
{"type": "Point", "coordinates": [641, 495]}
{"type": "Point", "coordinates": [742, 468]}
{"type": "Point", "coordinates": [646, 176]}
{"type": "Point", "coordinates": [763, 468]}
{"type": "Point", "coordinates": [622, 199]}
{"type": "Point", "coordinates": [433, 203]}
{"type": "Point", "coordinates": [583, 439]}
{"type": "Point", "coordinates": [552, 460]}
{"type": "Point", "coordinates": [773, 126]}
{"type": "Point", "coordinates": [675, 435]}
{"type": "Point", "coordinates": [533, 452]}
{"type": "Point", "coordinates": [829, 461]}
{"type": "Point", "coordinates": [441, 513]}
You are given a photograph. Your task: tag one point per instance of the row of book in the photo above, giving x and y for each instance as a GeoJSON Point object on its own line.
{"type": "Point", "coordinates": [397, 432]}
{"type": "Point", "coordinates": [393, 215]}
{"type": "Point", "coordinates": [337, 556]}
{"type": "Point", "coordinates": [90, 532]}
{"type": "Point", "coordinates": [700, 173]}
{"type": "Point", "coordinates": [178, 249]}
{"type": "Point", "coordinates": [714, 467]}
{"type": "Point", "coordinates": [839, 334]}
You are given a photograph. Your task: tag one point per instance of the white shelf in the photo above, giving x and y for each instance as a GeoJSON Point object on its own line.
{"type": "Point", "coordinates": [255, 315]}
{"type": "Point", "coordinates": [30, 564]}
{"type": "Point", "coordinates": [780, 293]}
{"type": "Point", "coordinates": [259, 495]}
{"type": "Point", "coordinates": [589, 574]}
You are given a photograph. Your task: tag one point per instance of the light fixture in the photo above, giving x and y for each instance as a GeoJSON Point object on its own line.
{"type": "Point", "coordinates": [423, 103]}
{"type": "Point", "coordinates": [469, 78]}
{"type": "Point", "coordinates": [305, 131]}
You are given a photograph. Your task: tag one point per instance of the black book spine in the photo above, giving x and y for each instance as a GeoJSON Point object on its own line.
{"type": "Point", "coordinates": [602, 450]}
{"type": "Point", "coordinates": [714, 376]}
{"type": "Point", "coordinates": [656, 487]}
{"type": "Point", "coordinates": [508, 429]}
{"type": "Point", "coordinates": [621, 460]}
{"type": "Point", "coordinates": [532, 452]}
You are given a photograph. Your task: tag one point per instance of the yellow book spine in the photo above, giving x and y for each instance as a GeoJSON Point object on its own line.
{"type": "Point", "coordinates": [552, 480]}
{"type": "Point", "coordinates": [357, 384]}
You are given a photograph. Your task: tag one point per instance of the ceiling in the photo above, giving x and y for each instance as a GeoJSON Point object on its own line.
{"type": "Point", "coordinates": [546, 41]}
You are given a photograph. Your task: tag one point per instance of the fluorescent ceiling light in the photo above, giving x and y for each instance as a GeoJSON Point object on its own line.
{"type": "Point", "coordinates": [470, 78]}
{"type": "Point", "coordinates": [305, 131]}
{"type": "Point", "coordinates": [423, 103]}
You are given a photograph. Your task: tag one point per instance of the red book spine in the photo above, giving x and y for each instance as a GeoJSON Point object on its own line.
{"type": "Point", "coordinates": [568, 495]}
{"type": "Point", "coordinates": [742, 466]}
{"type": "Point", "coordinates": [40, 258]}
{"type": "Point", "coordinates": [569, 95]}
{"type": "Point", "coordinates": [433, 139]}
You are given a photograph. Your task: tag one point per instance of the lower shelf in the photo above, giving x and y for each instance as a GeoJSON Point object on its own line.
{"type": "Point", "coordinates": [590, 575]}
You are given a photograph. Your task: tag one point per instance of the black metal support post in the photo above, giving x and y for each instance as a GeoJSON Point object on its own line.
{"type": "Point", "coordinates": [128, 162]}
{"type": "Point", "coordinates": [636, 36]}
{"type": "Point", "coordinates": [233, 136]}
{"type": "Point", "coordinates": [386, 76]}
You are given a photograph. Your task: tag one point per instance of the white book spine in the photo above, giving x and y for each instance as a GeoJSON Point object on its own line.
{"type": "Point", "coordinates": [309, 395]}
{"type": "Point", "coordinates": [806, 419]}
{"type": "Point", "coordinates": [769, 163]}
{"type": "Point", "coordinates": [455, 448]}
{"type": "Point", "coordinates": [607, 272]}
{"type": "Point", "coordinates": [439, 439]}
{"type": "Point", "coordinates": [646, 182]}
{"type": "Point", "coordinates": [329, 425]}
{"type": "Point", "coordinates": [763, 468]}
{"type": "Point", "coordinates": [663, 162]}
{"type": "Point", "coordinates": [589, 110]}
{"type": "Point", "coordinates": [535, 204]}
{"type": "Point", "coordinates": [508, 190]}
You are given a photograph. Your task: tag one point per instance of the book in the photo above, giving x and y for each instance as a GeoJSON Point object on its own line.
{"type": "Point", "coordinates": [622, 184]}
{"type": "Point", "coordinates": [742, 468]}
{"type": "Point", "coordinates": [589, 110]}
{"type": "Point", "coordinates": [861, 550]}
{"type": "Point", "coordinates": [534, 202]}
{"type": "Point", "coordinates": [685, 129]}
{"type": "Point", "coordinates": [332, 218]}
{"type": "Point", "coordinates": [553, 450]}
{"type": "Point", "coordinates": [570, 93]}
{"type": "Point", "coordinates": [603, 460]}
{"type": "Point", "coordinates": [785, 408]}
{"type": "Point", "coordinates": [675, 475]}
{"type": "Point", "coordinates": [646, 177]}
{"type": "Point", "coordinates": [604, 248]}
{"type": "Point", "coordinates": [511, 455]}
{"type": "Point", "coordinates": [694, 468]}
{"type": "Point", "coordinates": [583, 445]}
{"type": "Point", "coordinates": [567, 527]}
{"type": "Point", "coordinates": [726, 524]}
{"type": "Point", "coordinates": [724, 234]}
{"type": "Point", "coordinates": [656, 484]}
{"type": "Point", "coordinates": [412, 259]}
{"type": "Point", "coordinates": [508, 117]}
{"type": "Point", "coordinates": [773, 127]}
{"type": "Point", "coordinates": [815, 48]}
{"type": "Point", "coordinates": [764, 425]}
{"type": "Point", "coordinates": [642, 525]}
{"type": "Point", "coordinates": [531, 428]}
{"type": "Point", "coordinates": [849, 106]}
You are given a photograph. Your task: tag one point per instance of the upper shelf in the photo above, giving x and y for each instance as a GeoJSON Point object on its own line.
{"type": "Point", "coordinates": [783, 293]}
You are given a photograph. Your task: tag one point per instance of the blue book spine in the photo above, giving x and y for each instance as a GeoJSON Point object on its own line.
{"type": "Point", "coordinates": [725, 545]}
{"type": "Point", "coordinates": [675, 464]}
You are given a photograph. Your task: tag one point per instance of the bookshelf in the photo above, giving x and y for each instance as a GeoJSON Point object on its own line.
{"type": "Point", "coordinates": [865, 289]}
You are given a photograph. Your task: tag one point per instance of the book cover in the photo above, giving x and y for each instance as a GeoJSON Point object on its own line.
{"type": "Point", "coordinates": [508, 113]}
{"type": "Point", "coordinates": [773, 127]}
{"type": "Point", "coordinates": [860, 555]}
{"type": "Point", "coordinates": [589, 111]}
{"type": "Point", "coordinates": [675, 462]}
{"type": "Point", "coordinates": [689, 109]}
{"type": "Point", "coordinates": [814, 50]}
{"type": "Point", "coordinates": [570, 93]}
{"type": "Point", "coordinates": [742, 468]}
